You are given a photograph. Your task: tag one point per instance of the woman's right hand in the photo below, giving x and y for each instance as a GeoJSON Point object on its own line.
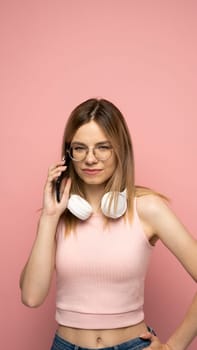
{"type": "Point", "coordinates": [50, 205]}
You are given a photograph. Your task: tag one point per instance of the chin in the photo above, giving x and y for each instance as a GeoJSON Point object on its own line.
{"type": "Point", "coordinates": [92, 181]}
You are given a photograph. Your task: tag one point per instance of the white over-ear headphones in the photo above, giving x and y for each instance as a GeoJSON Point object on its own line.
{"type": "Point", "coordinates": [79, 207]}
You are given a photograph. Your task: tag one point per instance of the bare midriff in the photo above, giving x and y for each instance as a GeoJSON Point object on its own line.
{"type": "Point", "coordinates": [99, 338]}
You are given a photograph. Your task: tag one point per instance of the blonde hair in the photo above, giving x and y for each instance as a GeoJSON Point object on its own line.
{"type": "Point", "coordinates": [112, 122]}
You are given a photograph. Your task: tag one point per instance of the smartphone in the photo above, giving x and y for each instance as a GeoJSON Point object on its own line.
{"type": "Point", "coordinates": [62, 176]}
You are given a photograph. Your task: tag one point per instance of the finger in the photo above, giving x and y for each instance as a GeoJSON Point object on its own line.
{"type": "Point", "coordinates": [155, 343]}
{"type": "Point", "coordinates": [147, 335]}
{"type": "Point", "coordinates": [54, 166]}
{"type": "Point", "coordinates": [53, 174]}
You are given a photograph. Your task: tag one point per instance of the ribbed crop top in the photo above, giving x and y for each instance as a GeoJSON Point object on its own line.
{"type": "Point", "coordinates": [101, 273]}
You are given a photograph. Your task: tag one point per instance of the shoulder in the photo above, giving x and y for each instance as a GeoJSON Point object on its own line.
{"type": "Point", "coordinates": [155, 212]}
{"type": "Point", "coordinates": [167, 227]}
{"type": "Point", "coordinates": [150, 204]}
{"type": "Point", "coordinates": [152, 209]}
{"type": "Point", "coordinates": [149, 207]}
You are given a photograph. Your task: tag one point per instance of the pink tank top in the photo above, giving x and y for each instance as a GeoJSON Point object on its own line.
{"type": "Point", "coordinates": [101, 273]}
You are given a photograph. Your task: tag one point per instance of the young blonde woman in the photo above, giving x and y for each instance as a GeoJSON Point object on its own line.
{"type": "Point", "coordinates": [98, 237]}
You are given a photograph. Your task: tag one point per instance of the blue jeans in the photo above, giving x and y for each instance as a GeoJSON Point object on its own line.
{"type": "Point", "coordinates": [133, 344]}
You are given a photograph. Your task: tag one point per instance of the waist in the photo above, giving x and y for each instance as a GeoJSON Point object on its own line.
{"type": "Point", "coordinates": [78, 319]}
{"type": "Point", "coordinates": [100, 338]}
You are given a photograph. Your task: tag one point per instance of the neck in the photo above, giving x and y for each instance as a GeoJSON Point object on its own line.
{"type": "Point", "coordinates": [94, 195]}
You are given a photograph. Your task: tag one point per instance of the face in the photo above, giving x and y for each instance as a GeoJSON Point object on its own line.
{"type": "Point", "coordinates": [91, 170]}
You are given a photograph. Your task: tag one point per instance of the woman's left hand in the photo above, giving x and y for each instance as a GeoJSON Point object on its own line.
{"type": "Point", "coordinates": [155, 342]}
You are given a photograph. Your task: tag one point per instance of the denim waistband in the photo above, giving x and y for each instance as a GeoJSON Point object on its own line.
{"type": "Point", "coordinates": [133, 344]}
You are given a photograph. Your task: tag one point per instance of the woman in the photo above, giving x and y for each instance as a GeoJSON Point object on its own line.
{"type": "Point", "coordinates": [99, 236]}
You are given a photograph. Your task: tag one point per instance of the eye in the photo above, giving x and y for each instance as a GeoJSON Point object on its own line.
{"type": "Point", "coordinates": [104, 147]}
{"type": "Point", "coordinates": [78, 148]}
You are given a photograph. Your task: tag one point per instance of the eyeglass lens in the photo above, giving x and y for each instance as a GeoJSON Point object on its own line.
{"type": "Point", "coordinates": [101, 152]}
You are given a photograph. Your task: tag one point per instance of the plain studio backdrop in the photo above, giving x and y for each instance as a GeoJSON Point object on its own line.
{"type": "Point", "coordinates": [142, 56]}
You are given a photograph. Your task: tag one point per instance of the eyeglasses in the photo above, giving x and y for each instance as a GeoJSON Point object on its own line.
{"type": "Point", "coordinates": [78, 152]}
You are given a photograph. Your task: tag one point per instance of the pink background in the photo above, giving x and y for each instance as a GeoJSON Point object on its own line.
{"type": "Point", "coordinates": [54, 54]}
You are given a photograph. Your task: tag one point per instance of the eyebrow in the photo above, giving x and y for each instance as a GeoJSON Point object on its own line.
{"type": "Point", "coordinates": [96, 144]}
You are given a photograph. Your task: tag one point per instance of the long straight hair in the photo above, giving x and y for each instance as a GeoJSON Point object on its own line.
{"type": "Point", "coordinates": [111, 121]}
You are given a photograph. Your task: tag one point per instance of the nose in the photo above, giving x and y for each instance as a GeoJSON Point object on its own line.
{"type": "Point", "coordinates": [90, 157]}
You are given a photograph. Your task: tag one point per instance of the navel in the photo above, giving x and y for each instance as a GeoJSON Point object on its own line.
{"type": "Point", "coordinates": [99, 340]}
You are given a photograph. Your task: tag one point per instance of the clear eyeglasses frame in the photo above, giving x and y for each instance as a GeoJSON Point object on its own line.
{"type": "Point", "coordinates": [78, 152]}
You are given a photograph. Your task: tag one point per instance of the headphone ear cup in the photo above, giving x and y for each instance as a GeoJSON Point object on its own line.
{"type": "Point", "coordinates": [121, 205]}
{"type": "Point", "coordinates": [79, 207]}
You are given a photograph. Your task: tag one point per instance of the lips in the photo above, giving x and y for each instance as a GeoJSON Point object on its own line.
{"type": "Point", "coordinates": [91, 171]}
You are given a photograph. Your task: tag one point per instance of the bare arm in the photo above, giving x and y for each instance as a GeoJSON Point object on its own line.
{"type": "Point", "coordinates": [182, 244]}
{"type": "Point", "coordinates": [36, 276]}
{"type": "Point", "coordinates": [182, 336]}
{"type": "Point", "coordinates": [187, 330]}
{"type": "Point", "coordinates": [168, 228]}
